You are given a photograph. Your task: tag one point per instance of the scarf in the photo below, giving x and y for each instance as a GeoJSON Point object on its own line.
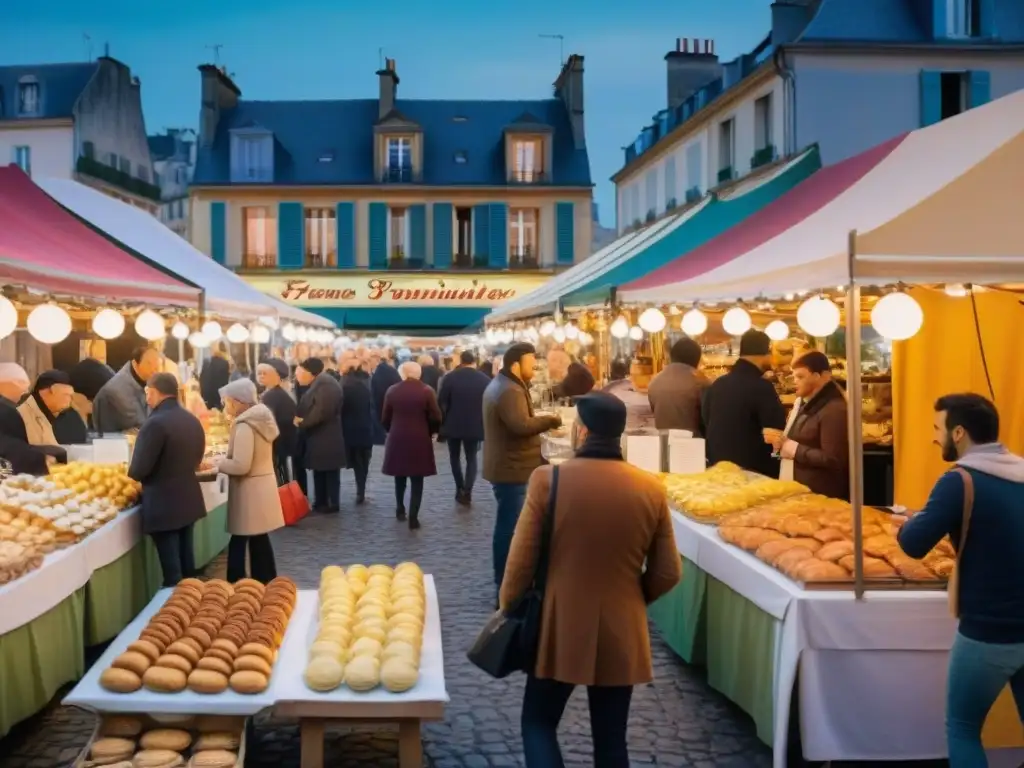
{"type": "Point", "coordinates": [138, 379]}
{"type": "Point", "coordinates": [599, 447]}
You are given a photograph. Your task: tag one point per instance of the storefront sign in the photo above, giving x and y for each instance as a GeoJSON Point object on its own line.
{"type": "Point", "coordinates": [392, 290]}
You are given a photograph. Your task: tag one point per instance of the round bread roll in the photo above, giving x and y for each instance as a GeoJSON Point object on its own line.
{"type": "Point", "coordinates": [409, 605]}
{"type": "Point", "coordinates": [213, 664]}
{"type": "Point", "coordinates": [148, 649]}
{"type": "Point", "coordinates": [378, 580]}
{"type": "Point", "coordinates": [174, 661]}
{"type": "Point", "coordinates": [249, 682]}
{"type": "Point", "coordinates": [402, 650]}
{"type": "Point", "coordinates": [365, 646]}
{"type": "Point", "coordinates": [332, 571]}
{"type": "Point", "coordinates": [408, 566]}
{"type": "Point", "coordinates": [121, 725]}
{"type": "Point", "coordinates": [324, 673]}
{"type": "Point", "coordinates": [371, 621]}
{"type": "Point", "coordinates": [406, 634]}
{"type": "Point", "coordinates": [185, 650]}
{"type": "Point", "coordinates": [165, 679]}
{"type": "Point", "coordinates": [358, 587]}
{"type": "Point", "coordinates": [120, 680]}
{"type": "Point", "coordinates": [362, 673]}
{"type": "Point", "coordinates": [166, 738]}
{"type": "Point", "coordinates": [213, 758]}
{"type": "Point", "coordinates": [255, 649]}
{"type": "Point", "coordinates": [381, 570]}
{"type": "Point", "coordinates": [252, 663]}
{"type": "Point", "coordinates": [371, 611]}
{"type": "Point", "coordinates": [112, 749]}
{"type": "Point", "coordinates": [326, 648]}
{"type": "Point", "coordinates": [207, 681]}
{"type": "Point", "coordinates": [225, 645]}
{"type": "Point", "coordinates": [360, 572]}
{"type": "Point", "coordinates": [374, 631]}
{"type": "Point", "coordinates": [230, 740]}
{"type": "Point", "coordinates": [404, 618]}
{"type": "Point", "coordinates": [133, 661]}
{"type": "Point", "coordinates": [157, 758]}
{"type": "Point", "coordinates": [398, 674]}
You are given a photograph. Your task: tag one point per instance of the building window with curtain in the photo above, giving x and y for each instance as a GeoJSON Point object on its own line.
{"type": "Point", "coordinates": [28, 97]}
{"type": "Point", "coordinates": [522, 237]}
{"type": "Point", "coordinates": [321, 238]}
{"type": "Point", "coordinates": [259, 237]}
{"type": "Point", "coordinates": [399, 160]}
{"type": "Point", "coordinates": [398, 233]}
{"type": "Point", "coordinates": [526, 161]}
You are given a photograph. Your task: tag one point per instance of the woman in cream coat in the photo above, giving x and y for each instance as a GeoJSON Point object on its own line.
{"type": "Point", "coordinates": [254, 507]}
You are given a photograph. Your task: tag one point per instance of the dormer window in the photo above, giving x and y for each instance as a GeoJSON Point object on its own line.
{"type": "Point", "coordinates": [399, 159]}
{"type": "Point", "coordinates": [527, 166]}
{"type": "Point", "coordinates": [28, 97]}
{"type": "Point", "coordinates": [252, 156]}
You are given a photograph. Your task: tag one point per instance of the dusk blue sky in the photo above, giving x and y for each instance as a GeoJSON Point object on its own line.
{"type": "Point", "coordinates": [329, 49]}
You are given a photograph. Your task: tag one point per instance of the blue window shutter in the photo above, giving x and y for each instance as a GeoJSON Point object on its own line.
{"type": "Point", "coordinates": [291, 251]}
{"type": "Point", "coordinates": [418, 232]}
{"type": "Point", "coordinates": [442, 235]}
{"type": "Point", "coordinates": [498, 226]}
{"type": "Point", "coordinates": [346, 227]}
{"type": "Point", "coordinates": [980, 88]}
{"type": "Point", "coordinates": [988, 18]}
{"type": "Point", "coordinates": [931, 97]}
{"type": "Point", "coordinates": [565, 233]}
{"type": "Point", "coordinates": [218, 232]}
{"type": "Point", "coordinates": [481, 230]}
{"type": "Point", "coordinates": [939, 24]}
{"type": "Point", "coordinates": [378, 235]}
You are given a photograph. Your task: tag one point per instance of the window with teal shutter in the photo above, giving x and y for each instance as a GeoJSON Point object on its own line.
{"type": "Point", "coordinates": [481, 233]}
{"type": "Point", "coordinates": [218, 232]}
{"type": "Point", "coordinates": [378, 235]}
{"type": "Point", "coordinates": [498, 240]}
{"type": "Point", "coordinates": [345, 215]}
{"type": "Point", "coordinates": [988, 18]}
{"type": "Point", "coordinates": [442, 220]}
{"type": "Point", "coordinates": [417, 235]}
{"type": "Point", "coordinates": [565, 233]}
{"type": "Point", "coordinates": [940, 19]}
{"type": "Point", "coordinates": [931, 97]}
{"type": "Point", "coordinates": [290, 234]}
{"type": "Point", "coordinates": [980, 88]}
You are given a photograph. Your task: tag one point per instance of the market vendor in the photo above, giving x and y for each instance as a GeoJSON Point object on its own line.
{"type": "Point", "coordinates": [14, 446]}
{"type": "Point", "coordinates": [120, 404]}
{"type": "Point", "coordinates": [41, 411]}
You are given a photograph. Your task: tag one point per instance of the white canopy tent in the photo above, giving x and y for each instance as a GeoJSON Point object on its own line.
{"type": "Point", "coordinates": [226, 293]}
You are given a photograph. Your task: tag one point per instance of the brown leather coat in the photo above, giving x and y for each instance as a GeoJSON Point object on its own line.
{"type": "Point", "coordinates": [820, 431]}
{"type": "Point", "coordinates": [511, 431]}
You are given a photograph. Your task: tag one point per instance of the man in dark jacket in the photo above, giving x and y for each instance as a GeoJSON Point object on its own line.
{"type": "Point", "coordinates": [430, 372]}
{"type": "Point", "coordinates": [462, 421]}
{"type": "Point", "coordinates": [511, 444]}
{"type": "Point", "coordinates": [120, 404]}
{"type": "Point", "coordinates": [385, 376]}
{"type": "Point", "coordinates": [357, 424]}
{"type": "Point", "coordinates": [168, 451]}
{"type": "Point", "coordinates": [270, 375]}
{"type": "Point", "coordinates": [14, 445]}
{"type": "Point", "coordinates": [319, 422]}
{"type": "Point", "coordinates": [740, 406]}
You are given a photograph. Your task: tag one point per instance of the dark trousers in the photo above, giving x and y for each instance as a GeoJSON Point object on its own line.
{"type": "Point", "coordinates": [463, 483]}
{"type": "Point", "coordinates": [415, 496]}
{"type": "Point", "coordinates": [510, 498]}
{"type": "Point", "coordinates": [327, 488]}
{"type": "Point", "coordinates": [176, 553]}
{"type": "Point", "coordinates": [359, 460]}
{"type": "Point", "coordinates": [543, 705]}
{"type": "Point", "coordinates": [299, 470]}
{"type": "Point", "coordinates": [261, 558]}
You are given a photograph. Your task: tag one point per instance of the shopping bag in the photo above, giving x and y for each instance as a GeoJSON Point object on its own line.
{"type": "Point", "coordinates": [294, 503]}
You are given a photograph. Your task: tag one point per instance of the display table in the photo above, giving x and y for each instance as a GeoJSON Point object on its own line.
{"type": "Point", "coordinates": [887, 652]}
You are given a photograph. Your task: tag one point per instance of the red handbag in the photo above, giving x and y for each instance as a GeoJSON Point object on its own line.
{"type": "Point", "coordinates": [294, 503]}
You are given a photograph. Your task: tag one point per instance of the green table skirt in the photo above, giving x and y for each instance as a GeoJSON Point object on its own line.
{"type": "Point", "coordinates": [707, 623]}
{"type": "Point", "coordinates": [116, 593]}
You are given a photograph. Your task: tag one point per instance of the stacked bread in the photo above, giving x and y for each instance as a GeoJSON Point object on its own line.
{"type": "Point", "coordinates": [370, 628]}
{"type": "Point", "coordinates": [207, 637]}
{"type": "Point", "coordinates": [205, 742]}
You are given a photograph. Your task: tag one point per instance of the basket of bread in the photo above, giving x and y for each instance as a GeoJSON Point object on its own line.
{"type": "Point", "coordinates": [123, 741]}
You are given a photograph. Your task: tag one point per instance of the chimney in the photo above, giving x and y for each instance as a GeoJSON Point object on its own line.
{"type": "Point", "coordinates": [569, 88]}
{"type": "Point", "coordinates": [219, 93]}
{"type": "Point", "coordinates": [789, 18]}
{"type": "Point", "coordinates": [388, 78]}
{"type": "Point", "coordinates": [692, 65]}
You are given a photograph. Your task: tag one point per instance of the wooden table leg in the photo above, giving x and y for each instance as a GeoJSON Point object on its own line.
{"type": "Point", "coordinates": [410, 745]}
{"type": "Point", "coordinates": [312, 743]}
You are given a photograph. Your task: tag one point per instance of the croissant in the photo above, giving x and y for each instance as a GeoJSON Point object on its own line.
{"type": "Point", "coordinates": [826, 535]}
{"type": "Point", "coordinates": [874, 568]}
{"type": "Point", "coordinates": [787, 560]}
{"type": "Point", "coordinates": [909, 568]}
{"type": "Point", "coordinates": [752, 538]}
{"type": "Point", "coordinates": [835, 550]}
{"type": "Point", "coordinates": [814, 569]}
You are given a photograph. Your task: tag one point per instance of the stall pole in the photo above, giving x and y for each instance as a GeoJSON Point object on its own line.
{"type": "Point", "coordinates": [854, 407]}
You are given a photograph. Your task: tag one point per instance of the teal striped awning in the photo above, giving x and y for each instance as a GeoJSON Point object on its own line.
{"type": "Point", "coordinates": [425, 321]}
{"type": "Point", "coordinates": [632, 256]}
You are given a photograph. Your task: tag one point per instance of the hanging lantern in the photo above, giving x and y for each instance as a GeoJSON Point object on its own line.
{"type": "Point", "coordinates": [818, 316]}
{"type": "Point", "coordinates": [636, 333]}
{"type": "Point", "coordinates": [180, 331]}
{"type": "Point", "coordinates": [260, 334]}
{"type": "Point", "coordinates": [238, 334]}
{"type": "Point", "coordinates": [956, 290]}
{"type": "Point", "coordinates": [150, 326]}
{"type": "Point", "coordinates": [694, 322]}
{"type": "Point", "coordinates": [558, 335]}
{"type": "Point", "coordinates": [674, 310]}
{"type": "Point", "coordinates": [8, 317]}
{"type": "Point", "coordinates": [198, 340]}
{"type": "Point", "coordinates": [736, 321]}
{"type": "Point", "coordinates": [49, 324]}
{"type": "Point", "coordinates": [572, 331]}
{"type": "Point", "coordinates": [289, 332]}
{"type": "Point", "coordinates": [896, 317]}
{"type": "Point", "coordinates": [212, 330]}
{"type": "Point", "coordinates": [301, 333]}
{"type": "Point", "coordinates": [108, 323]}
{"type": "Point", "coordinates": [547, 328]}
{"type": "Point", "coordinates": [652, 320]}
{"type": "Point", "coordinates": [777, 330]}
{"type": "Point", "coordinates": [620, 328]}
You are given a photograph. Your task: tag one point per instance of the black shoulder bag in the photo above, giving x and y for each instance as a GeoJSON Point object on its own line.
{"type": "Point", "coordinates": [508, 642]}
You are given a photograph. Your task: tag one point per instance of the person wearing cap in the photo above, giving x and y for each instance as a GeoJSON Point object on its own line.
{"type": "Point", "coordinates": [50, 397]}
{"type": "Point", "coordinates": [254, 505]}
{"type": "Point", "coordinates": [612, 553]}
{"type": "Point", "coordinates": [271, 374]}
{"type": "Point", "coordinates": [318, 417]}
{"type": "Point", "coordinates": [461, 398]}
{"type": "Point", "coordinates": [168, 451]}
{"type": "Point", "coordinates": [14, 446]}
{"type": "Point", "coordinates": [742, 408]}
{"type": "Point", "coordinates": [511, 443]}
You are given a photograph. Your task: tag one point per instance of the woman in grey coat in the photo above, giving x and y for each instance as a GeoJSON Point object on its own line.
{"type": "Point", "coordinates": [319, 421]}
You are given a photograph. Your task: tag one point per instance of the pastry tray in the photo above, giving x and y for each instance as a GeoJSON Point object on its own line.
{"type": "Point", "coordinates": [873, 585]}
{"type": "Point", "coordinates": [83, 756]}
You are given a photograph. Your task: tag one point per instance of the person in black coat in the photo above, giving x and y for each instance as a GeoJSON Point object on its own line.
{"type": "Point", "coordinates": [739, 406]}
{"type": "Point", "coordinates": [319, 421]}
{"type": "Point", "coordinates": [168, 451]}
{"type": "Point", "coordinates": [430, 372]}
{"type": "Point", "coordinates": [270, 374]}
{"type": "Point", "coordinates": [14, 445]}
{"type": "Point", "coordinates": [462, 421]}
{"type": "Point", "coordinates": [216, 374]}
{"type": "Point", "coordinates": [357, 425]}
{"type": "Point", "coordinates": [384, 377]}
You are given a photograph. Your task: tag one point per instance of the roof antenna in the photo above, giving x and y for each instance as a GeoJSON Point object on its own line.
{"type": "Point", "coordinates": [561, 46]}
{"type": "Point", "coordinates": [216, 51]}
{"type": "Point", "coordinates": [87, 38]}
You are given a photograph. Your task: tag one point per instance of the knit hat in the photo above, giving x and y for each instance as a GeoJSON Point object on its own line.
{"type": "Point", "coordinates": [578, 381]}
{"type": "Point", "coordinates": [602, 414]}
{"type": "Point", "coordinates": [242, 390]}
{"type": "Point", "coordinates": [313, 364]}
{"type": "Point", "coordinates": [279, 366]}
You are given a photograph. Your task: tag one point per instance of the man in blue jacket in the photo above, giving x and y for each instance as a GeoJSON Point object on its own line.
{"type": "Point", "coordinates": [988, 651]}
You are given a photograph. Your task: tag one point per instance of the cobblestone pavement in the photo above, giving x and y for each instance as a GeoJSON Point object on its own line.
{"type": "Point", "coordinates": [676, 721]}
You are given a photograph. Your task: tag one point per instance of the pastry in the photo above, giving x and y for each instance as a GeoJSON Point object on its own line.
{"type": "Point", "coordinates": [213, 664]}
{"type": "Point", "coordinates": [248, 682]}
{"type": "Point", "coordinates": [834, 550]}
{"type": "Point", "coordinates": [942, 567]}
{"type": "Point", "coordinates": [120, 680]}
{"type": "Point", "coordinates": [362, 673]}
{"type": "Point", "coordinates": [826, 535]}
{"type": "Point", "coordinates": [182, 649]}
{"type": "Point", "coordinates": [790, 558]}
{"type": "Point", "coordinates": [148, 649]}
{"type": "Point", "coordinates": [166, 738]}
{"type": "Point", "coordinates": [164, 679]}
{"type": "Point", "coordinates": [874, 568]}
{"type": "Point", "coordinates": [173, 661]}
{"type": "Point", "coordinates": [207, 681]}
{"type": "Point", "coordinates": [157, 758]}
{"type": "Point", "coordinates": [111, 749]}
{"type": "Point", "coordinates": [258, 650]}
{"type": "Point", "coordinates": [324, 673]}
{"type": "Point", "coordinates": [214, 758]}
{"type": "Point", "coordinates": [253, 663]}
{"type": "Point", "coordinates": [813, 569]}
{"type": "Point", "coordinates": [399, 674]}
{"type": "Point", "coordinates": [752, 538]}
{"type": "Point", "coordinates": [799, 526]}
{"type": "Point", "coordinates": [133, 661]}
{"type": "Point", "coordinates": [229, 740]}
{"type": "Point", "coordinates": [121, 725]}
{"type": "Point", "coordinates": [880, 545]}
{"type": "Point", "coordinates": [909, 568]}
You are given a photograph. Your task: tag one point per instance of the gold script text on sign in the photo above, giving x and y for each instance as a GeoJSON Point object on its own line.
{"type": "Point", "coordinates": [382, 290]}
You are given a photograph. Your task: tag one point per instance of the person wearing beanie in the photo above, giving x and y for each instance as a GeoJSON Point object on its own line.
{"type": "Point", "coordinates": [254, 505]}
{"type": "Point", "coordinates": [318, 417]}
{"type": "Point", "coordinates": [271, 375]}
{"type": "Point", "coordinates": [612, 553]}
{"type": "Point", "coordinates": [742, 412]}
{"type": "Point", "coordinates": [511, 443]}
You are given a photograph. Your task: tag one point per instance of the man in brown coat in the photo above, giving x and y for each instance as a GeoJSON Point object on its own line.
{"type": "Point", "coordinates": [675, 393]}
{"type": "Point", "coordinates": [511, 443]}
{"type": "Point", "coordinates": [610, 519]}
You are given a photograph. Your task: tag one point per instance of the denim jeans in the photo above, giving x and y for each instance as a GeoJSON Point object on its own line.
{"type": "Point", "coordinates": [175, 551]}
{"type": "Point", "coordinates": [510, 498]}
{"type": "Point", "coordinates": [463, 483]}
{"type": "Point", "coordinates": [978, 672]}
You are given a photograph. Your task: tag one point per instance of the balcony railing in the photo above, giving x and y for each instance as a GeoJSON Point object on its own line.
{"type": "Point", "coordinates": [258, 261]}
{"type": "Point", "coordinates": [320, 261]}
{"type": "Point", "coordinates": [467, 261]}
{"type": "Point", "coordinates": [523, 258]}
{"type": "Point", "coordinates": [398, 174]}
{"type": "Point", "coordinates": [763, 156]}
{"type": "Point", "coordinates": [91, 167]}
{"type": "Point", "coordinates": [527, 177]}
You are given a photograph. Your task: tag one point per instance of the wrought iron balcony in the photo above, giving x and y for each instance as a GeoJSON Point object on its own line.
{"type": "Point", "coordinates": [468, 261]}
{"type": "Point", "coordinates": [258, 261]}
{"type": "Point", "coordinates": [398, 174]}
{"type": "Point", "coordinates": [763, 156]}
{"type": "Point", "coordinates": [522, 258]}
{"type": "Point", "coordinates": [527, 177]}
{"type": "Point", "coordinates": [320, 261]}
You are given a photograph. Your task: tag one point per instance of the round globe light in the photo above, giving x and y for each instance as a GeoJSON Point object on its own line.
{"type": "Point", "coordinates": [532, 333]}
{"type": "Point", "coordinates": [150, 326]}
{"type": "Point", "coordinates": [572, 331]}
{"type": "Point", "coordinates": [586, 339]}
{"type": "Point", "coordinates": [180, 331]}
{"type": "Point", "coordinates": [956, 290]}
{"type": "Point", "coordinates": [238, 334]}
{"type": "Point", "coordinates": [620, 328]}
{"type": "Point", "coordinates": [301, 333]}
{"type": "Point", "coordinates": [289, 332]}
{"type": "Point", "coordinates": [547, 328]}
{"type": "Point", "coordinates": [896, 316]}
{"type": "Point", "coordinates": [108, 323]}
{"type": "Point", "coordinates": [694, 322]}
{"type": "Point", "coordinates": [674, 310]}
{"type": "Point", "coordinates": [652, 320]}
{"type": "Point", "coordinates": [198, 340]}
{"type": "Point", "coordinates": [8, 317]}
{"type": "Point", "coordinates": [818, 316]}
{"type": "Point", "coordinates": [736, 321]}
{"type": "Point", "coordinates": [507, 336]}
{"type": "Point", "coordinates": [212, 330]}
{"type": "Point", "coordinates": [260, 334]}
{"type": "Point", "coordinates": [49, 324]}
{"type": "Point", "coordinates": [636, 333]}
{"type": "Point", "coordinates": [491, 336]}
{"type": "Point", "coordinates": [777, 330]}
{"type": "Point", "coordinates": [558, 335]}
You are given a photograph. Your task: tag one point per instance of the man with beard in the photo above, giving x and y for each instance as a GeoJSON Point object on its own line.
{"type": "Point", "coordinates": [979, 505]}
